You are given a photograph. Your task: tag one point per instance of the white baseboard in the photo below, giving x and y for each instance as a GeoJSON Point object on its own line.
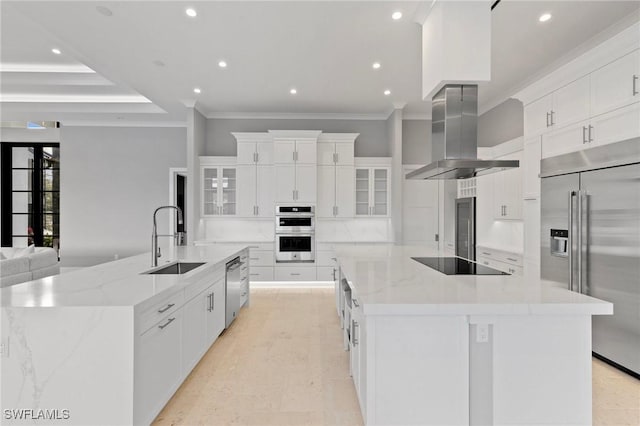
{"type": "Point", "coordinates": [291, 284]}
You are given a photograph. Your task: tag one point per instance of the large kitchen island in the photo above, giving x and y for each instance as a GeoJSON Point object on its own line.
{"type": "Point", "coordinates": [110, 344]}
{"type": "Point", "coordinates": [433, 349]}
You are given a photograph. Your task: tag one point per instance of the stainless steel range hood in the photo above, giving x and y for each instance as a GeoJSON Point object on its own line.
{"type": "Point", "coordinates": [454, 138]}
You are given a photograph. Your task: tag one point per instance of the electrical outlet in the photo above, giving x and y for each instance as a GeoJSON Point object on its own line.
{"type": "Point", "coordinates": [482, 333]}
{"type": "Point", "coordinates": [4, 348]}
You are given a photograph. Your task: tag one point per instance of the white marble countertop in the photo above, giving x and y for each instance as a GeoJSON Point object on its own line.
{"type": "Point", "coordinates": [386, 281]}
{"type": "Point", "coordinates": [118, 283]}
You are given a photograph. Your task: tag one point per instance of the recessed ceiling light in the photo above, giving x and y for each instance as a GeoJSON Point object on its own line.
{"type": "Point", "coordinates": [387, 92]}
{"type": "Point", "coordinates": [544, 17]}
{"type": "Point", "coordinates": [222, 64]}
{"type": "Point", "coordinates": [197, 90]}
{"type": "Point", "coordinates": [293, 91]}
{"type": "Point", "coordinates": [103, 10]}
{"type": "Point", "coordinates": [191, 12]}
{"type": "Point", "coordinates": [376, 65]}
{"type": "Point", "coordinates": [56, 51]}
{"type": "Point", "coordinates": [396, 15]}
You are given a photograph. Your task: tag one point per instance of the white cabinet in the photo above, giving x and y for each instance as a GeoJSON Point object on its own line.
{"type": "Point", "coordinates": [159, 370]}
{"type": "Point", "coordinates": [617, 125]}
{"type": "Point", "coordinates": [215, 311]}
{"type": "Point", "coordinates": [372, 191]}
{"type": "Point", "coordinates": [530, 164]}
{"type": "Point", "coordinates": [218, 194]}
{"type": "Point", "coordinates": [295, 170]}
{"type": "Point", "coordinates": [501, 260]}
{"type": "Point", "coordinates": [507, 188]}
{"type": "Point", "coordinates": [335, 191]}
{"type": "Point", "coordinates": [616, 84]}
{"type": "Point", "coordinates": [255, 191]}
{"type": "Point", "coordinates": [295, 273]}
{"type": "Point", "coordinates": [256, 153]}
{"type": "Point", "coordinates": [336, 149]}
{"type": "Point", "coordinates": [357, 353]}
{"type": "Point", "coordinates": [194, 330]}
{"type": "Point", "coordinates": [564, 106]}
{"type": "Point", "coordinates": [298, 151]}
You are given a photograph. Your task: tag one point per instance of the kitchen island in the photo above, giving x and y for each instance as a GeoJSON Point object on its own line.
{"type": "Point", "coordinates": [432, 349]}
{"type": "Point", "coordinates": [109, 344]}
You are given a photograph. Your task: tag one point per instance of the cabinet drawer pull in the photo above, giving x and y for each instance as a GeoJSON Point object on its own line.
{"type": "Point", "coordinates": [485, 262]}
{"type": "Point", "coordinates": [354, 339]}
{"type": "Point", "coordinates": [254, 258]}
{"type": "Point", "coordinates": [254, 275]}
{"type": "Point", "coordinates": [590, 136]}
{"type": "Point", "coordinates": [548, 119]}
{"type": "Point", "coordinates": [169, 306]}
{"type": "Point", "coordinates": [295, 273]}
{"type": "Point", "coordinates": [169, 321]}
{"type": "Point", "coordinates": [635, 82]}
{"type": "Point", "coordinates": [355, 303]}
{"type": "Point", "coordinates": [512, 259]}
{"type": "Point", "coordinates": [486, 254]}
{"type": "Point", "coordinates": [584, 135]}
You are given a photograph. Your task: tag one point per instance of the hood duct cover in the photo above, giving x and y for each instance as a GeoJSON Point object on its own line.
{"type": "Point", "coordinates": [454, 143]}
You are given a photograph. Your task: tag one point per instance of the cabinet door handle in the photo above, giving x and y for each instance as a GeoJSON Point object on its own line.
{"type": "Point", "coordinates": [209, 302]}
{"type": "Point", "coordinates": [486, 254]}
{"type": "Point", "coordinates": [165, 309]}
{"type": "Point", "coordinates": [635, 82]}
{"type": "Point", "coordinates": [336, 211]}
{"type": "Point", "coordinates": [548, 119]}
{"type": "Point", "coordinates": [295, 274]}
{"type": "Point", "coordinates": [293, 156]}
{"type": "Point", "coordinates": [169, 321]}
{"type": "Point", "coordinates": [552, 112]}
{"type": "Point", "coordinates": [505, 210]}
{"type": "Point", "coordinates": [257, 157]}
{"type": "Point", "coordinates": [584, 134]}
{"type": "Point", "coordinates": [512, 259]}
{"type": "Point", "coordinates": [355, 303]}
{"type": "Point", "coordinates": [333, 272]}
{"type": "Point", "coordinates": [257, 210]}
{"type": "Point", "coordinates": [213, 301]}
{"type": "Point", "coordinates": [354, 339]}
{"type": "Point", "coordinates": [590, 136]}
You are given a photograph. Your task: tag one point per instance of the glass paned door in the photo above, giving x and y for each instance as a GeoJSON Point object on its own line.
{"type": "Point", "coordinates": [210, 191]}
{"type": "Point", "coordinates": [380, 192]}
{"type": "Point", "coordinates": [362, 191]}
{"type": "Point", "coordinates": [228, 191]}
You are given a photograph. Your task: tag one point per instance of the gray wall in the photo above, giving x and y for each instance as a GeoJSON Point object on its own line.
{"type": "Point", "coordinates": [416, 142]}
{"type": "Point", "coordinates": [111, 180]}
{"type": "Point", "coordinates": [372, 141]}
{"type": "Point", "coordinates": [502, 123]}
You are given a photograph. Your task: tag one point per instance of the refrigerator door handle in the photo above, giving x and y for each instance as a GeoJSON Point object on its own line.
{"type": "Point", "coordinates": [570, 240]}
{"type": "Point", "coordinates": [582, 222]}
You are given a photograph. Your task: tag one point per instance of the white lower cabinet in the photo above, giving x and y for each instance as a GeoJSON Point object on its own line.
{"type": "Point", "coordinates": [194, 330]}
{"type": "Point", "coordinates": [295, 273]}
{"type": "Point", "coordinates": [158, 372]}
{"type": "Point", "coordinates": [215, 312]}
{"type": "Point", "coordinates": [501, 260]}
{"type": "Point", "coordinates": [357, 353]}
{"type": "Point", "coordinates": [325, 273]}
{"type": "Point", "coordinates": [261, 273]}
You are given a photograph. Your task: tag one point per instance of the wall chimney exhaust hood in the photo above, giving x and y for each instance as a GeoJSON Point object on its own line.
{"type": "Point", "coordinates": [454, 138]}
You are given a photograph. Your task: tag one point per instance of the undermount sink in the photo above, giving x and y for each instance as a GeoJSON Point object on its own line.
{"type": "Point", "coordinates": [177, 268]}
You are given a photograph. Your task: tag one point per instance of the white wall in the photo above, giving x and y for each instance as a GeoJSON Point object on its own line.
{"type": "Point", "coordinates": [111, 180]}
{"type": "Point", "coordinates": [196, 147]}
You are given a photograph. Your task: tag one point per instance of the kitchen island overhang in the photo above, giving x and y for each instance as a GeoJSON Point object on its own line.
{"type": "Point", "coordinates": [437, 349]}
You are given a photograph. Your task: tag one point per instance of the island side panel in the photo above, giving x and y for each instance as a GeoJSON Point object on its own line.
{"type": "Point", "coordinates": [78, 359]}
{"type": "Point", "coordinates": [417, 370]}
{"type": "Point", "coordinates": [542, 370]}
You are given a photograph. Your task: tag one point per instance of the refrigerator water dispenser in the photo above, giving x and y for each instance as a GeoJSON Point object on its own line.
{"type": "Point", "coordinates": [559, 242]}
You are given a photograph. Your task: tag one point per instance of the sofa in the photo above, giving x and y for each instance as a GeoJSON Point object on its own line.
{"type": "Point", "coordinates": [20, 264]}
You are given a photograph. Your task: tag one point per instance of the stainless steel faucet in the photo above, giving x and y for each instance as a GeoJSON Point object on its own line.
{"type": "Point", "coordinates": [179, 236]}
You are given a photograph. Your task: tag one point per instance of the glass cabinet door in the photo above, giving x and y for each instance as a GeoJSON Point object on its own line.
{"type": "Point", "coordinates": [210, 191]}
{"type": "Point", "coordinates": [228, 191]}
{"type": "Point", "coordinates": [380, 192]}
{"type": "Point", "coordinates": [362, 192]}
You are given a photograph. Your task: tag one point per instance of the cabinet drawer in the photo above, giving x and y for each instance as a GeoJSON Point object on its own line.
{"type": "Point", "coordinates": [261, 273]}
{"type": "Point", "coordinates": [261, 258]}
{"type": "Point", "coordinates": [514, 259]}
{"type": "Point", "coordinates": [295, 273]}
{"type": "Point", "coordinates": [325, 273]}
{"type": "Point", "coordinates": [500, 266]}
{"type": "Point", "coordinates": [325, 258]}
{"type": "Point", "coordinates": [261, 247]}
{"type": "Point", "coordinates": [160, 310]}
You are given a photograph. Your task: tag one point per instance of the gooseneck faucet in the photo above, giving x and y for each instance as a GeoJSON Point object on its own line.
{"type": "Point", "coordinates": [179, 236]}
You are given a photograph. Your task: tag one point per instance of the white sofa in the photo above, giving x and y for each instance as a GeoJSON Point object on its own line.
{"type": "Point", "coordinates": [18, 266]}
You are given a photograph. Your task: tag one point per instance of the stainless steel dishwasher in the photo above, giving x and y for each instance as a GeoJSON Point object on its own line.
{"type": "Point", "coordinates": [232, 290]}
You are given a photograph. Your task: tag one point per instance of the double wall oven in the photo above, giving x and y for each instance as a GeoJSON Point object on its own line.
{"type": "Point", "coordinates": [295, 233]}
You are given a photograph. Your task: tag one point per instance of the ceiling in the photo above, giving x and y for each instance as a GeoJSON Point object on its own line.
{"type": "Point", "coordinates": [149, 56]}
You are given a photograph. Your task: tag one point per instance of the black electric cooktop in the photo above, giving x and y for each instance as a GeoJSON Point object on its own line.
{"type": "Point", "coordinates": [457, 266]}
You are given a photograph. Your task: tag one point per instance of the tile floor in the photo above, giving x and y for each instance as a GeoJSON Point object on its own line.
{"type": "Point", "coordinates": [282, 363]}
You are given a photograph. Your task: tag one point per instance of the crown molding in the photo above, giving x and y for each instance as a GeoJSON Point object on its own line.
{"type": "Point", "coordinates": [416, 116]}
{"type": "Point", "coordinates": [337, 137]}
{"type": "Point", "coordinates": [121, 123]}
{"type": "Point", "coordinates": [294, 116]}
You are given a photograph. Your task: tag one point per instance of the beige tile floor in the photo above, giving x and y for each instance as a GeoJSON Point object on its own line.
{"type": "Point", "coordinates": [282, 363]}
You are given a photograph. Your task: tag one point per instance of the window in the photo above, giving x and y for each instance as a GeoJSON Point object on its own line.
{"type": "Point", "coordinates": [30, 194]}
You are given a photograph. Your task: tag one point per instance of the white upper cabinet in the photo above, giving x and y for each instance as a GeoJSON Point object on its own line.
{"type": "Point", "coordinates": [570, 103]}
{"type": "Point", "coordinates": [335, 191]}
{"type": "Point", "coordinates": [345, 191]}
{"type": "Point", "coordinates": [254, 148]}
{"type": "Point", "coordinates": [616, 84]}
{"type": "Point", "coordinates": [537, 115]}
{"type": "Point", "coordinates": [219, 186]}
{"type": "Point", "coordinates": [265, 191]}
{"type": "Point", "coordinates": [326, 191]}
{"type": "Point", "coordinates": [305, 183]}
{"type": "Point", "coordinates": [298, 151]}
{"type": "Point", "coordinates": [285, 183]}
{"type": "Point", "coordinates": [372, 189]}
{"type": "Point", "coordinates": [336, 149]}
{"type": "Point", "coordinates": [564, 106]}
{"type": "Point", "coordinates": [247, 183]}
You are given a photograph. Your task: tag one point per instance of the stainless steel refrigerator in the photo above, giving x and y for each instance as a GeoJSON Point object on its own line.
{"type": "Point", "coordinates": [590, 239]}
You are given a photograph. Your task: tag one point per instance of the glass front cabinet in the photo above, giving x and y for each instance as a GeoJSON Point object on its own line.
{"type": "Point", "coordinates": [218, 190]}
{"type": "Point", "coordinates": [372, 191]}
